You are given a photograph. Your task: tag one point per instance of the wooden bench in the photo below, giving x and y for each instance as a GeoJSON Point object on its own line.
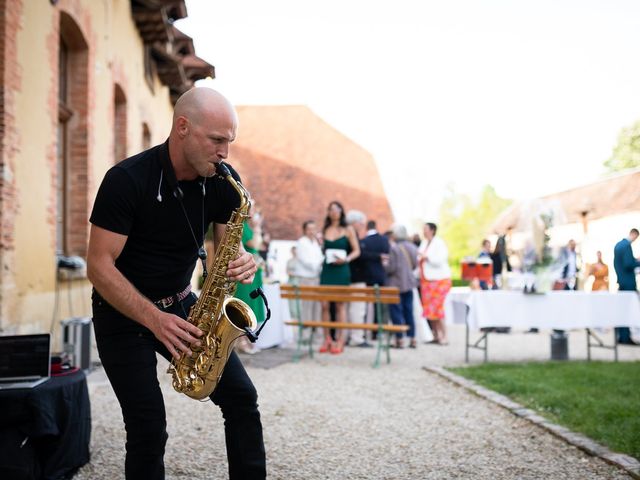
{"type": "Point", "coordinates": [328, 293]}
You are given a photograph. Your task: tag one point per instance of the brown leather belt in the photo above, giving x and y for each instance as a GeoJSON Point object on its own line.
{"type": "Point", "coordinates": [168, 301]}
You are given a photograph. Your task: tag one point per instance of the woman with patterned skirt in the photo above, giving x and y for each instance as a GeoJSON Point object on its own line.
{"type": "Point", "coordinates": [435, 281]}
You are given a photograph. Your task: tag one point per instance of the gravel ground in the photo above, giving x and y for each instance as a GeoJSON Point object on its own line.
{"type": "Point", "coordinates": [335, 417]}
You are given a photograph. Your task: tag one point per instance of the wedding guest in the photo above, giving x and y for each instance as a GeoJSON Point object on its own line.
{"type": "Point", "coordinates": [374, 250]}
{"type": "Point", "coordinates": [357, 311]}
{"type": "Point", "coordinates": [292, 280]}
{"type": "Point", "coordinates": [416, 240]}
{"type": "Point", "coordinates": [308, 267]}
{"type": "Point", "coordinates": [435, 281]}
{"type": "Point", "coordinates": [263, 252]}
{"type": "Point", "coordinates": [292, 265]}
{"type": "Point", "coordinates": [252, 242]}
{"type": "Point", "coordinates": [341, 247]}
{"type": "Point", "coordinates": [600, 273]}
{"type": "Point", "coordinates": [484, 257]}
{"type": "Point", "coordinates": [625, 264]}
{"type": "Point", "coordinates": [403, 259]}
{"type": "Point", "coordinates": [529, 259]}
{"type": "Point", "coordinates": [485, 249]}
{"type": "Point", "coordinates": [569, 260]}
{"type": "Point", "coordinates": [501, 262]}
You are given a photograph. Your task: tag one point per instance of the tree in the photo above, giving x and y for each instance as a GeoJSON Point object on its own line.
{"type": "Point", "coordinates": [464, 224]}
{"type": "Point", "coordinates": [626, 154]}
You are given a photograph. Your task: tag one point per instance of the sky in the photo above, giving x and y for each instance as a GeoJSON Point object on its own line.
{"type": "Point", "coordinates": [525, 95]}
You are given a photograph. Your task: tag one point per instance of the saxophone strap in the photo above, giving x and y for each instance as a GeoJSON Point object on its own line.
{"type": "Point", "coordinates": [169, 173]}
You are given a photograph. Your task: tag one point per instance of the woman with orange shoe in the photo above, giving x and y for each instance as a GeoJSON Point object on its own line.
{"type": "Point", "coordinates": [340, 247]}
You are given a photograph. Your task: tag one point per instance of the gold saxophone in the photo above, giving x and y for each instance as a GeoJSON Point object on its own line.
{"type": "Point", "coordinates": [222, 318]}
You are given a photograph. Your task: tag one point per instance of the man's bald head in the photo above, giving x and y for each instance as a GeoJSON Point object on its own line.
{"type": "Point", "coordinates": [201, 102]}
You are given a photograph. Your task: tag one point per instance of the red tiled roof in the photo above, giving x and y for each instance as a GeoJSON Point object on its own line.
{"type": "Point", "coordinates": [172, 50]}
{"type": "Point", "coordinates": [294, 164]}
{"type": "Point", "coordinates": [616, 194]}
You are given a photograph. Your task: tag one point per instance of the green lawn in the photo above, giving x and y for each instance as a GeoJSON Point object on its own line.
{"type": "Point", "coordinates": [598, 399]}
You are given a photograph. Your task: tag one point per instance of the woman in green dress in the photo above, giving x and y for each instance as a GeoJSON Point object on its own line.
{"type": "Point", "coordinates": [340, 247]}
{"type": "Point", "coordinates": [251, 240]}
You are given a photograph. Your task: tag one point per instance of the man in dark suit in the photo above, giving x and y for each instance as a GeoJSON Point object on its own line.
{"type": "Point", "coordinates": [625, 264]}
{"type": "Point", "coordinates": [373, 249]}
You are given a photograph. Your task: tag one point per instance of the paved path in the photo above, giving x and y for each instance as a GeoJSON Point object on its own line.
{"type": "Point", "coordinates": [520, 346]}
{"type": "Point", "coordinates": [337, 418]}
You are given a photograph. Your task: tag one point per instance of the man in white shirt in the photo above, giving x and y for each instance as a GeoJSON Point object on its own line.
{"type": "Point", "coordinates": [308, 267]}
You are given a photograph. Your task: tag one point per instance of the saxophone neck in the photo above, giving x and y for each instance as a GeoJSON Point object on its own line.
{"type": "Point", "coordinates": [245, 198]}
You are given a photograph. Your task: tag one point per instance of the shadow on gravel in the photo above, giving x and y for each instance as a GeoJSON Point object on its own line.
{"type": "Point", "coordinates": [268, 358]}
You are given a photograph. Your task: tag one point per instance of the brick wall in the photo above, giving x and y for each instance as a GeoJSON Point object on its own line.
{"type": "Point", "coordinates": [296, 135]}
{"type": "Point", "coordinates": [288, 195]}
{"type": "Point", "coordinates": [295, 163]}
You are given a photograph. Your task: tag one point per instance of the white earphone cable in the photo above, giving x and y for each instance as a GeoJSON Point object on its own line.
{"type": "Point", "coordinates": [159, 197]}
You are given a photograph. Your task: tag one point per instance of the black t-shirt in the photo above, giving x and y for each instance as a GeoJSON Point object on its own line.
{"type": "Point", "coordinates": [160, 252]}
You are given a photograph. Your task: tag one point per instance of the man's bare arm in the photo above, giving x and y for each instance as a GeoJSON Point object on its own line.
{"type": "Point", "coordinates": [104, 248]}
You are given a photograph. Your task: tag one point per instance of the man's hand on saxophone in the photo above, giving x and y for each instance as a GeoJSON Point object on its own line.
{"type": "Point", "coordinates": [243, 268]}
{"type": "Point", "coordinates": [175, 333]}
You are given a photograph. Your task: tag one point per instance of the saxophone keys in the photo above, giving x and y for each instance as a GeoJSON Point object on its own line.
{"type": "Point", "coordinates": [202, 364]}
{"type": "Point", "coordinates": [177, 384]}
{"type": "Point", "coordinates": [197, 384]}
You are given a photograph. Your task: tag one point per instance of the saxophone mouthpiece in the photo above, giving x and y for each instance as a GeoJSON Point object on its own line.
{"type": "Point", "coordinates": [222, 170]}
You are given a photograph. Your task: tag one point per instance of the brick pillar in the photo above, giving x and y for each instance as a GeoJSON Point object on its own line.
{"type": "Point", "coordinates": [77, 140]}
{"type": "Point", "coordinates": [77, 227]}
{"type": "Point", "coordinates": [10, 82]}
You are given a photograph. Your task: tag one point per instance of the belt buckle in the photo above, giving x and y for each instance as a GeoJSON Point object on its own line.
{"type": "Point", "coordinates": [165, 302]}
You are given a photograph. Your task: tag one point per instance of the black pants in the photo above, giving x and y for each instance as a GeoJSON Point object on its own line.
{"type": "Point", "coordinates": [623, 334]}
{"type": "Point", "coordinates": [128, 354]}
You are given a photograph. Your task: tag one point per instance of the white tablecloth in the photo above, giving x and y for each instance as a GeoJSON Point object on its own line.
{"type": "Point", "coordinates": [563, 310]}
{"type": "Point", "coordinates": [275, 333]}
